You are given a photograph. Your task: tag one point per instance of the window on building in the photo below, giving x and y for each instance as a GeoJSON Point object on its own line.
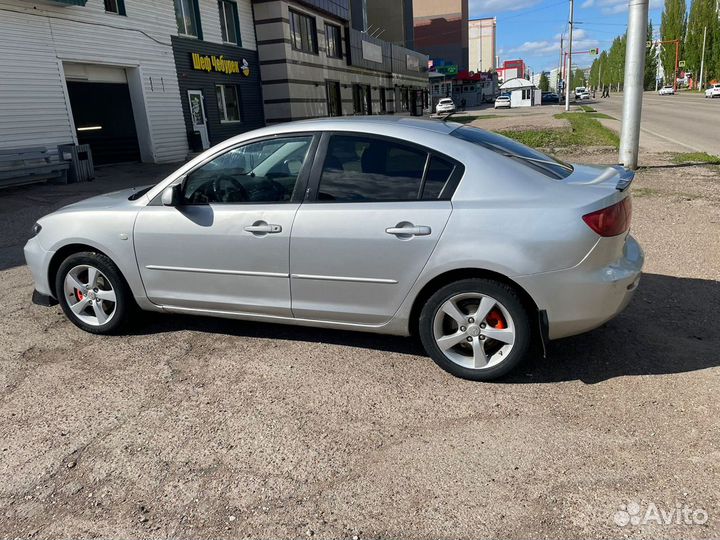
{"type": "Point", "coordinates": [115, 6]}
{"type": "Point", "coordinates": [187, 15]}
{"type": "Point", "coordinates": [334, 99]}
{"type": "Point", "coordinates": [303, 32]}
{"type": "Point", "coordinates": [367, 169]}
{"type": "Point", "coordinates": [404, 100]}
{"type": "Point", "coordinates": [229, 23]}
{"type": "Point", "coordinates": [383, 103]}
{"type": "Point", "coordinates": [228, 103]}
{"type": "Point", "coordinates": [526, 93]}
{"type": "Point", "coordinates": [333, 40]}
{"type": "Point", "coordinates": [259, 172]}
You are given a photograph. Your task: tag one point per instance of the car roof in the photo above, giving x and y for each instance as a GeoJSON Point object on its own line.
{"type": "Point", "coordinates": [366, 123]}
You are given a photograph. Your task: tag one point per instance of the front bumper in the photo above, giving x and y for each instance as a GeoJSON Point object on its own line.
{"type": "Point", "coordinates": [38, 260]}
{"type": "Point", "coordinates": [586, 296]}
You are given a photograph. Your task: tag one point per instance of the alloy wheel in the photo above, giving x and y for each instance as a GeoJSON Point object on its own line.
{"type": "Point", "coordinates": [474, 330]}
{"type": "Point", "coordinates": [90, 295]}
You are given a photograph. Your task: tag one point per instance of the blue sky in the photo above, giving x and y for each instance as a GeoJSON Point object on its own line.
{"type": "Point", "coordinates": [530, 29]}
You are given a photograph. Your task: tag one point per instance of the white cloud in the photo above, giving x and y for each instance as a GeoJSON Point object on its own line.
{"type": "Point", "coordinates": [587, 3]}
{"type": "Point", "coordinates": [613, 7]}
{"type": "Point", "coordinates": [581, 41]}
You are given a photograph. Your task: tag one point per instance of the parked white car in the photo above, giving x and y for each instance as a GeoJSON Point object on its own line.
{"type": "Point", "coordinates": [713, 91]}
{"type": "Point", "coordinates": [503, 100]}
{"type": "Point", "coordinates": [445, 106]}
{"type": "Point", "coordinates": [666, 91]}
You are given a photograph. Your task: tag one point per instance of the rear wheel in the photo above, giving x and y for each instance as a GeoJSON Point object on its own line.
{"type": "Point", "coordinates": [476, 329]}
{"type": "Point", "coordinates": [93, 293]}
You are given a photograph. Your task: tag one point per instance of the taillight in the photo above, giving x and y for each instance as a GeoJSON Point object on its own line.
{"type": "Point", "coordinates": [612, 220]}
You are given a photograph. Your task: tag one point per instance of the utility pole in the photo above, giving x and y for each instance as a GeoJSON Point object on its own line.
{"type": "Point", "coordinates": [569, 62]}
{"type": "Point", "coordinates": [702, 61]}
{"type": "Point", "coordinates": [633, 92]}
{"type": "Point", "coordinates": [560, 66]}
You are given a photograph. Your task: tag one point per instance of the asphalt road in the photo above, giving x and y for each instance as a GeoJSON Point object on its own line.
{"type": "Point", "coordinates": [686, 120]}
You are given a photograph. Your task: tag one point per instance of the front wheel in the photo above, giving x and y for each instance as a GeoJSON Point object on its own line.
{"type": "Point", "coordinates": [92, 292]}
{"type": "Point", "coordinates": [476, 329]}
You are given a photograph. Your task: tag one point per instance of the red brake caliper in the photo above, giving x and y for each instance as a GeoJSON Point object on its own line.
{"type": "Point", "coordinates": [79, 295]}
{"type": "Point", "coordinates": [496, 320]}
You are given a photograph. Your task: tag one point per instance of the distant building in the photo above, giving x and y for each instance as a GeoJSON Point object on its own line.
{"type": "Point", "coordinates": [512, 69]}
{"type": "Point", "coordinates": [391, 21]}
{"type": "Point", "coordinates": [481, 44]}
{"type": "Point", "coordinates": [441, 31]}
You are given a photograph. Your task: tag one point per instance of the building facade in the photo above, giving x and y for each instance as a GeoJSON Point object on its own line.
{"type": "Point", "coordinates": [314, 63]}
{"type": "Point", "coordinates": [441, 32]}
{"type": "Point", "coordinates": [117, 75]}
{"type": "Point", "coordinates": [391, 21]}
{"type": "Point", "coordinates": [481, 44]}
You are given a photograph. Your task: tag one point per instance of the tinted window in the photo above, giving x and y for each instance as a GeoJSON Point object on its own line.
{"type": "Point", "coordinates": [538, 161]}
{"type": "Point", "coordinates": [438, 174]}
{"type": "Point", "coordinates": [261, 172]}
{"type": "Point", "coordinates": [359, 169]}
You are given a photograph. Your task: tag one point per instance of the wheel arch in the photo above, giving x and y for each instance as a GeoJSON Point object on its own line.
{"type": "Point", "coordinates": [63, 253]}
{"type": "Point", "coordinates": [451, 276]}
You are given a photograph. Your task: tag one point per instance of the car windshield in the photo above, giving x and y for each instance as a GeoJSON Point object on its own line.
{"type": "Point", "coordinates": [538, 161]}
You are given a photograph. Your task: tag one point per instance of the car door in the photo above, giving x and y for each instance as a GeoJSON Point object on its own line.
{"type": "Point", "coordinates": [375, 211]}
{"type": "Point", "coordinates": [224, 246]}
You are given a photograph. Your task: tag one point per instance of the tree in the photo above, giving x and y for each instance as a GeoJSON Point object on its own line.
{"type": "Point", "coordinates": [672, 26]}
{"type": "Point", "coordinates": [578, 78]}
{"type": "Point", "coordinates": [650, 62]}
{"type": "Point", "coordinates": [703, 15]}
{"type": "Point", "coordinates": [544, 83]}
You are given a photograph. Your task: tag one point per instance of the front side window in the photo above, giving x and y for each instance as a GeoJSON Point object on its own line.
{"type": "Point", "coordinates": [115, 6]}
{"type": "Point", "coordinates": [228, 103]}
{"type": "Point", "coordinates": [303, 33]}
{"type": "Point", "coordinates": [507, 147]}
{"type": "Point", "coordinates": [261, 172]}
{"type": "Point", "coordinates": [186, 14]}
{"type": "Point", "coordinates": [332, 37]}
{"type": "Point", "coordinates": [229, 24]}
{"type": "Point", "coordinates": [367, 169]}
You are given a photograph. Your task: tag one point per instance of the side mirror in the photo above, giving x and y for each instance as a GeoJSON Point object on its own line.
{"type": "Point", "coordinates": [171, 195]}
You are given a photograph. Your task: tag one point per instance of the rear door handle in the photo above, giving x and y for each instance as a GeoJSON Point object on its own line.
{"type": "Point", "coordinates": [263, 228]}
{"type": "Point", "coordinates": [413, 230]}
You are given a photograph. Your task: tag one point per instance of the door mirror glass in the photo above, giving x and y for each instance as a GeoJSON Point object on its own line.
{"type": "Point", "coordinates": [171, 195]}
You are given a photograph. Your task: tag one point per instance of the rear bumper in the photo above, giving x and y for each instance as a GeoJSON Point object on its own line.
{"type": "Point", "coordinates": [584, 297]}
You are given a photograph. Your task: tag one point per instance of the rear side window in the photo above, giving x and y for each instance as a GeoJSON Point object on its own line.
{"type": "Point", "coordinates": [438, 174]}
{"type": "Point", "coordinates": [366, 169]}
{"type": "Point", "coordinates": [530, 157]}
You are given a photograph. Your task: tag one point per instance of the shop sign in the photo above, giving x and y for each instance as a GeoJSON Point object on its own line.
{"type": "Point", "coordinates": [220, 64]}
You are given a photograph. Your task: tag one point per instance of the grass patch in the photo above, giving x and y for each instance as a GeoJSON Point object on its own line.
{"type": "Point", "coordinates": [587, 108]}
{"type": "Point", "coordinates": [584, 130]}
{"type": "Point", "coordinates": [696, 157]}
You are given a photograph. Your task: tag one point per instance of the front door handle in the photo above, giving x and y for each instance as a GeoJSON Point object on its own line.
{"type": "Point", "coordinates": [408, 229]}
{"type": "Point", "coordinates": [260, 227]}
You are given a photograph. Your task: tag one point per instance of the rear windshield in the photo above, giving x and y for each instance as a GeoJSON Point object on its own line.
{"type": "Point", "coordinates": [547, 165]}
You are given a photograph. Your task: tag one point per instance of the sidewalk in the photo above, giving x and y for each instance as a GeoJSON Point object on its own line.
{"type": "Point", "coordinates": [21, 206]}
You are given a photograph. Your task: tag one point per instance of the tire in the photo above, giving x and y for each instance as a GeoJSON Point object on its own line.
{"type": "Point", "coordinates": [92, 308]}
{"type": "Point", "coordinates": [506, 316]}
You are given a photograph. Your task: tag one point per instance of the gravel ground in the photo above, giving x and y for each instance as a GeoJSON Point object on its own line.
{"type": "Point", "coordinates": [204, 428]}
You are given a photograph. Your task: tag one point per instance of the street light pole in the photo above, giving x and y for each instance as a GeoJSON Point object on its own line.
{"type": "Point", "coordinates": [569, 61]}
{"type": "Point", "coordinates": [633, 92]}
{"type": "Point", "coordinates": [702, 61]}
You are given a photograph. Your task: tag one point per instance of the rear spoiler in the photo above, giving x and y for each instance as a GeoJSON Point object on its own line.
{"type": "Point", "coordinates": [626, 177]}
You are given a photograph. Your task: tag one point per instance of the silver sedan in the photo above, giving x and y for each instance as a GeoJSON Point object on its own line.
{"type": "Point", "coordinates": [479, 245]}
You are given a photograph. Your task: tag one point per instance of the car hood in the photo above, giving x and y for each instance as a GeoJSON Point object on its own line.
{"type": "Point", "coordinates": [106, 201]}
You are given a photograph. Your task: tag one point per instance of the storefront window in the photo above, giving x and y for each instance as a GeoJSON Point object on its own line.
{"type": "Point", "coordinates": [228, 103]}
